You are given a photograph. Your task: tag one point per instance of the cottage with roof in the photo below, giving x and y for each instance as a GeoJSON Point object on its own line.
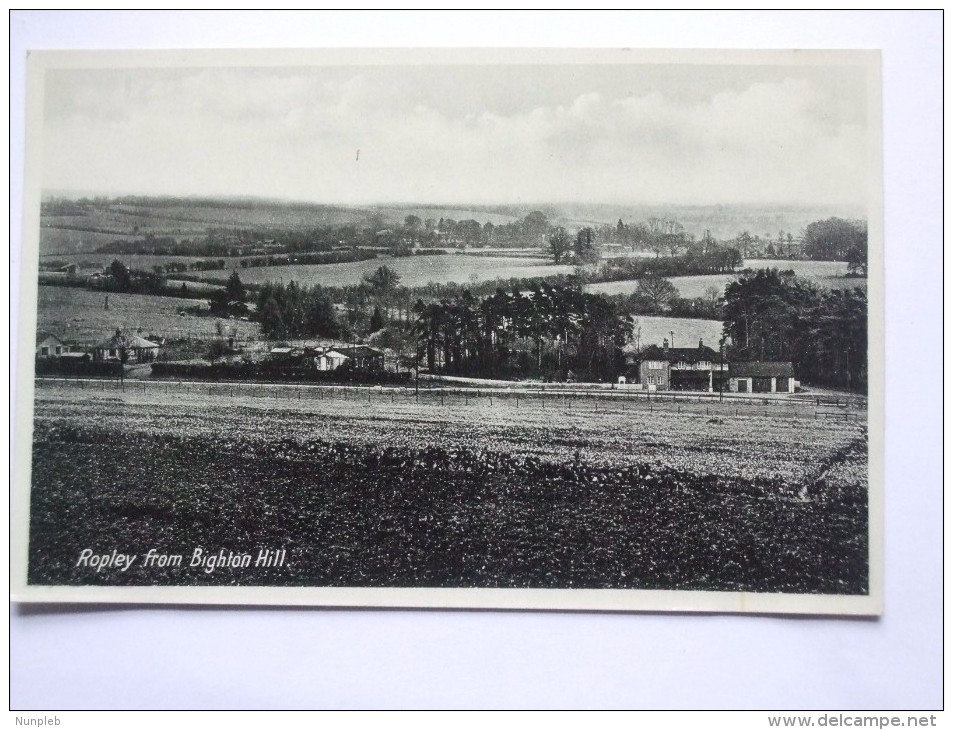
{"type": "Point", "coordinates": [681, 368]}
{"type": "Point", "coordinates": [49, 345]}
{"type": "Point", "coordinates": [363, 357]}
{"type": "Point", "coordinates": [134, 348]}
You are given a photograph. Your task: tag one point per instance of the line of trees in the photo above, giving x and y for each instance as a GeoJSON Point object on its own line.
{"type": "Point", "coordinates": [549, 332]}
{"type": "Point", "coordinates": [835, 239]}
{"type": "Point", "coordinates": [718, 261]}
{"type": "Point", "coordinates": [295, 311]}
{"type": "Point", "coordinates": [555, 331]}
{"type": "Point", "coordinates": [772, 316]}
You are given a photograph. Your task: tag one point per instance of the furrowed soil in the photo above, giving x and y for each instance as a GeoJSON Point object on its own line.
{"type": "Point", "coordinates": [372, 488]}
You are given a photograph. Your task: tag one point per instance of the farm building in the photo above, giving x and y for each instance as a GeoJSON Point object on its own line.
{"type": "Point", "coordinates": [679, 368]}
{"type": "Point", "coordinates": [284, 354]}
{"type": "Point", "coordinates": [48, 345]}
{"type": "Point", "coordinates": [135, 348]}
{"type": "Point", "coordinates": [761, 377]}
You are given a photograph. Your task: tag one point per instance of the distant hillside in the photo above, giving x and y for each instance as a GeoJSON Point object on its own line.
{"type": "Point", "coordinates": [80, 225]}
{"type": "Point", "coordinates": [724, 221]}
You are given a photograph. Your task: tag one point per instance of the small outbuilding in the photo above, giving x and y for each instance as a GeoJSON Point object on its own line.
{"type": "Point", "coordinates": [761, 377]}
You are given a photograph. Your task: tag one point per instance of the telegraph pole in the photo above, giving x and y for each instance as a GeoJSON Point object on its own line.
{"type": "Point", "coordinates": [724, 374]}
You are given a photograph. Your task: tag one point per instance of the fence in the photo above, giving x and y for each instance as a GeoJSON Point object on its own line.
{"type": "Point", "coordinates": [564, 402]}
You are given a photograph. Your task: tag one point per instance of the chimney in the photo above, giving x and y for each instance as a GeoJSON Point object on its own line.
{"type": "Point", "coordinates": [701, 343]}
{"type": "Point", "coordinates": [665, 344]}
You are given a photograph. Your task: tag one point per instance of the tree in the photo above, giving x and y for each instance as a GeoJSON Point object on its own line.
{"type": "Point", "coordinates": [120, 275]}
{"type": "Point", "coordinates": [230, 300]}
{"type": "Point", "coordinates": [319, 314]}
{"type": "Point", "coordinates": [585, 250]}
{"type": "Point", "coordinates": [831, 239]}
{"type": "Point", "coordinates": [621, 233]}
{"type": "Point", "coordinates": [216, 350]}
{"type": "Point", "coordinates": [272, 322]}
{"type": "Point", "coordinates": [744, 243]}
{"type": "Point", "coordinates": [559, 243]}
{"type": "Point", "coordinates": [674, 236]}
{"type": "Point", "coordinates": [857, 260]}
{"type": "Point", "coordinates": [470, 231]}
{"type": "Point", "coordinates": [655, 235]}
{"type": "Point", "coordinates": [712, 294]}
{"type": "Point", "coordinates": [658, 290]}
{"type": "Point", "coordinates": [766, 315]}
{"type": "Point", "coordinates": [234, 289]}
{"type": "Point", "coordinates": [124, 345]}
{"type": "Point", "coordinates": [377, 320]}
{"type": "Point", "coordinates": [383, 280]}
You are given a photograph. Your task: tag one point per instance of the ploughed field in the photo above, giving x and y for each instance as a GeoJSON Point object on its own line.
{"type": "Point", "coordinates": [371, 488]}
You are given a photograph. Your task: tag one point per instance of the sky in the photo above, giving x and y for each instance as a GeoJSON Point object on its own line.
{"type": "Point", "coordinates": [608, 133]}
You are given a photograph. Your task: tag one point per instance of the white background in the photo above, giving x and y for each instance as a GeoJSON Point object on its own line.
{"type": "Point", "coordinates": [135, 657]}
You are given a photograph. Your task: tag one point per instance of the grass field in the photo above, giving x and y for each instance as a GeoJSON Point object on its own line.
{"type": "Point", "coordinates": [78, 233]}
{"type": "Point", "coordinates": [825, 273]}
{"type": "Point", "coordinates": [371, 488]}
{"type": "Point", "coordinates": [79, 314]}
{"type": "Point", "coordinates": [413, 270]}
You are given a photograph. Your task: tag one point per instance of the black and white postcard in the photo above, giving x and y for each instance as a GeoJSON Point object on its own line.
{"type": "Point", "coordinates": [548, 329]}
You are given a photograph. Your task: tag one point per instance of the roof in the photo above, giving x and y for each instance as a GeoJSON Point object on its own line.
{"type": "Point", "coordinates": [130, 342]}
{"type": "Point", "coordinates": [360, 351]}
{"type": "Point", "coordinates": [679, 354]}
{"type": "Point", "coordinates": [760, 370]}
{"type": "Point", "coordinates": [280, 350]}
{"type": "Point", "coordinates": [43, 336]}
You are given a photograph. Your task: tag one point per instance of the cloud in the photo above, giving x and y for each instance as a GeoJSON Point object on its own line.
{"type": "Point", "coordinates": [294, 133]}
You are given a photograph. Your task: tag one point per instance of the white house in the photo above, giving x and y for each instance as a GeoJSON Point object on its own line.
{"type": "Point", "coordinates": [48, 345]}
{"type": "Point", "coordinates": [330, 360]}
